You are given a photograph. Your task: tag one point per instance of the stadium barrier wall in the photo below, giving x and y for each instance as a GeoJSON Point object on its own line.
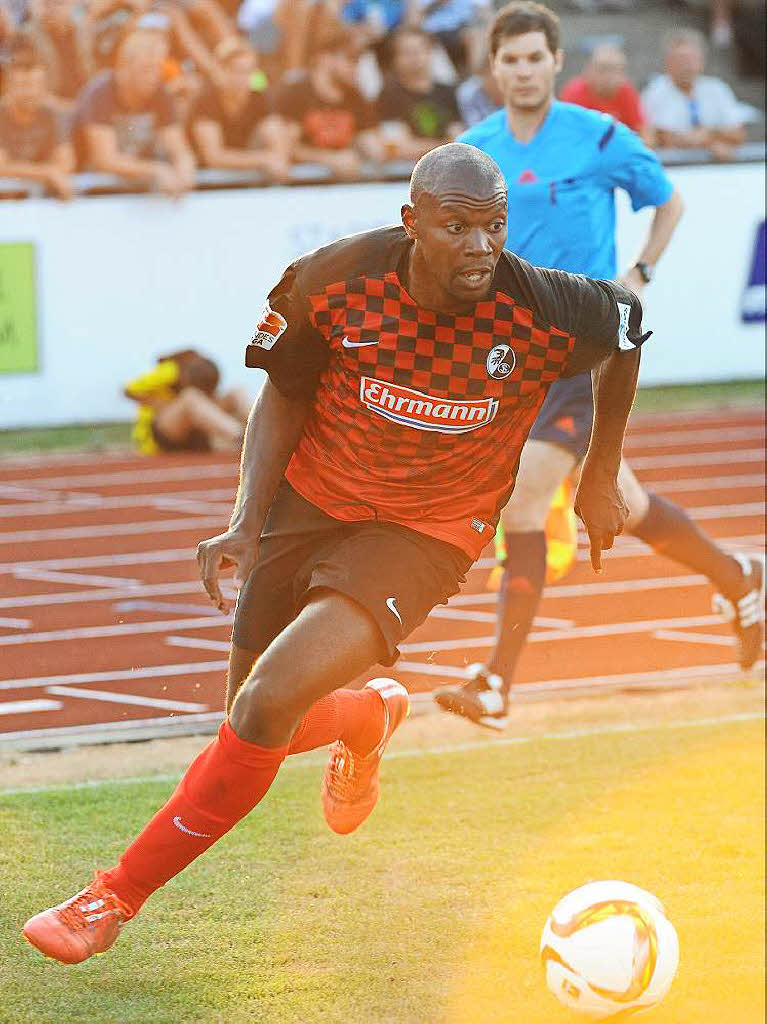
{"type": "Point", "coordinates": [93, 290]}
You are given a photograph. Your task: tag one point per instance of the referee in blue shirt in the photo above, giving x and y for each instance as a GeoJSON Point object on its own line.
{"type": "Point", "coordinates": [562, 164]}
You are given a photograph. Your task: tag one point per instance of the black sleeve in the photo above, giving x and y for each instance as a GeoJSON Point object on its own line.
{"type": "Point", "coordinates": [285, 343]}
{"type": "Point", "coordinates": [609, 319]}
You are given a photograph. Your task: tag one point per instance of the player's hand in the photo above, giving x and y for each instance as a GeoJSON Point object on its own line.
{"type": "Point", "coordinates": [600, 506]}
{"type": "Point", "coordinates": [232, 548]}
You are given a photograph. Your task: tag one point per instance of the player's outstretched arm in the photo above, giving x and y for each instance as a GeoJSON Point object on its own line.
{"type": "Point", "coordinates": [598, 501]}
{"type": "Point", "coordinates": [274, 429]}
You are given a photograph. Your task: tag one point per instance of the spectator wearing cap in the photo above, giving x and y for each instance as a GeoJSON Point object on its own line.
{"type": "Point", "coordinates": [605, 86]}
{"type": "Point", "coordinates": [63, 37]}
{"type": "Point", "coordinates": [232, 123]}
{"type": "Point", "coordinates": [417, 113]}
{"type": "Point", "coordinates": [688, 109]}
{"type": "Point", "coordinates": [32, 143]}
{"type": "Point", "coordinates": [126, 121]}
{"type": "Point", "coordinates": [328, 120]}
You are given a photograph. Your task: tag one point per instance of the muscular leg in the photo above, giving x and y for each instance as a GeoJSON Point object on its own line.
{"type": "Point", "coordinates": [192, 410]}
{"type": "Point", "coordinates": [542, 468]}
{"type": "Point", "coordinates": [668, 529]}
{"type": "Point", "coordinates": [330, 642]}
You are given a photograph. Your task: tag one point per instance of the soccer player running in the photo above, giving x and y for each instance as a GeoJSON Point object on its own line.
{"type": "Point", "coordinates": [406, 366]}
{"type": "Point", "coordinates": [562, 164]}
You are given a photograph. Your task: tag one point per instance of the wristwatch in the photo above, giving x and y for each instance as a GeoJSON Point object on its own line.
{"type": "Point", "coordinates": [645, 271]}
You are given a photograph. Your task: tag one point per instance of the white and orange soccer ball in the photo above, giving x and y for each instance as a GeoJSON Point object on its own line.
{"type": "Point", "coordinates": [608, 948]}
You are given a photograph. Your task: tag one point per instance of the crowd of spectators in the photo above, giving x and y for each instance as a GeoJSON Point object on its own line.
{"type": "Point", "coordinates": [153, 90]}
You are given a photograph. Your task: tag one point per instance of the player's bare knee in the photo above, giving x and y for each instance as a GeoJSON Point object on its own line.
{"type": "Point", "coordinates": [262, 713]}
{"type": "Point", "coordinates": [526, 515]}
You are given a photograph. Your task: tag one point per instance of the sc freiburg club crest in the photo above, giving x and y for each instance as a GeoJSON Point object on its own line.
{"type": "Point", "coordinates": [501, 362]}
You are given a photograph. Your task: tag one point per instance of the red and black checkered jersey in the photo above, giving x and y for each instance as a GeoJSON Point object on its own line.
{"type": "Point", "coordinates": [419, 417]}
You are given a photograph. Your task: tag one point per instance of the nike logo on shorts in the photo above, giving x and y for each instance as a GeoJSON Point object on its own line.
{"type": "Point", "coordinates": [356, 344]}
{"type": "Point", "coordinates": [393, 608]}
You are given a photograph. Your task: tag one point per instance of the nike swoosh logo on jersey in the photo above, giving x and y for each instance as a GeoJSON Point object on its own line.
{"type": "Point", "coordinates": [393, 608]}
{"type": "Point", "coordinates": [356, 344]}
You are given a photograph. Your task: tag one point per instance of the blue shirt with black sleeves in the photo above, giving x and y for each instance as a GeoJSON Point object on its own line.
{"type": "Point", "coordinates": [562, 185]}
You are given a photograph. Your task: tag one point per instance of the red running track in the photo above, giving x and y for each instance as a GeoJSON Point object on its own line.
{"type": "Point", "coordinates": [106, 631]}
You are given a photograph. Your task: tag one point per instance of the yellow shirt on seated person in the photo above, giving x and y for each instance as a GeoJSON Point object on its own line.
{"type": "Point", "coordinates": [151, 389]}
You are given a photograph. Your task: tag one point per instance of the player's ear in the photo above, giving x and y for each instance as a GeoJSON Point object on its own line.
{"type": "Point", "coordinates": [559, 60]}
{"type": "Point", "coordinates": [407, 213]}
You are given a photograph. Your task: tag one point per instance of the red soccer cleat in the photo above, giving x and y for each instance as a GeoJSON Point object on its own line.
{"type": "Point", "coordinates": [85, 925]}
{"type": "Point", "coordinates": [350, 786]}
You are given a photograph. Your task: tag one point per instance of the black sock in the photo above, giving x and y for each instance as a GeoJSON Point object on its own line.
{"type": "Point", "coordinates": [669, 530]}
{"type": "Point", "coordinates": [518, 600]}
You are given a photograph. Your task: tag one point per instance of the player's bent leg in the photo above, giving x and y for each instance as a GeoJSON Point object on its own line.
{"type": "Point", "coordinates": [332, 640]}
{"type": "Point", "coordinates": [738, 578]}
{"type": "Point", "coordinates": [484, 697]}
{"type": "Point", "coordinates": [241, 662]}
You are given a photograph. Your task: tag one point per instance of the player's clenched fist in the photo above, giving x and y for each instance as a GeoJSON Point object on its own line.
{"type": "Point", "coordinates": [232, 548]}
{"type": "Point", "coordinates": [600, 506]}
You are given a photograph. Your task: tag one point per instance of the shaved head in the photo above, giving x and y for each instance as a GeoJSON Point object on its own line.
{"type": "Point", "coordinates": [456, 169]}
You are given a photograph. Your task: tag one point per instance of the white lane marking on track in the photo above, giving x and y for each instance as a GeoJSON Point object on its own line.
{"type": "Point", "coordinates": [451, 748]}
{"type": "Point", "coordinates": [714, 639]}
{"type": "Point", "coordinates": [164, 606]}
{"type": "Point", "coordinates": [577, 633]}
{"type": "Point", "coordinates": [126, 698]}
{"type": "Point", "coordinates": [152, 557]}
{"type": "Point", "coordinates": [713, 435]}
{"type": "Point", "coordinates": [161, 476]}
{"type": "Point", "coordinates": [593, 589]}
{"type": "Point", "coordinates": [81, 579]}
{"type": "Point", "coordinates": [112, 593]}
{"type": "Point", "coordinates": [121, 503]}
{"type": "Point", "coordinates": [27, 707]}
{"type": "Point", "coordinates": [729, 458]}
{"type": "Point", "coordinates": [458, 613]}
{"type": "Point", "coordinates": [124, 629]}
{"type": "Point", "coordinates": [626, 547]}
{"type": "Point", "coordinates": [189, 668]}
{"type": "Point", "coordinates": [198, 643]}
{"type": "Point", "coordinates": [656, 679]}
{"type": "Point", "coordinates": [14, 624]}
{"type": "Point", "coordinates": [112, 530]}
{"type": "Point", "coordinates": [706, 483]}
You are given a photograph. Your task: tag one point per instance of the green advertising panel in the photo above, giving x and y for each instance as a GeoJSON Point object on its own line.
{"type": "Point", "coordinates": [18, 308]}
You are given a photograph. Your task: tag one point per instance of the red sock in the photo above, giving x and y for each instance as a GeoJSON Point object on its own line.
{"type": "Point", "coordinates": [354, 716]}
{"type": "Point", "coordinates": [221, 786]}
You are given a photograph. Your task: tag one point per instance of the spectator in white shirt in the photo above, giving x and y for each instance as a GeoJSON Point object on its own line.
{"type": "Point", "coordinates": [689, 109]}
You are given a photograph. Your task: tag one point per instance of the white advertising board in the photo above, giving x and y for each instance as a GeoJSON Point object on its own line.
{"type": "Point", "coordinates": [121, 279]}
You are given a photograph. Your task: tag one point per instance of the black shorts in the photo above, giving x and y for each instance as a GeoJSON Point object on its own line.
{"type": "Point", "coordinates": [195, 441]}
{"type": "Point", "coordinates": [566, 415]}
{"type": "Point", "coordinates": [396, 574]}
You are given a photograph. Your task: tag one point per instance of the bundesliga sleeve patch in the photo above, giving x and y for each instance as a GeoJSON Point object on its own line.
{"type": "Point", "coordinates": [270, 326]}
{"type": "Point", "coordinates": [624, 312]}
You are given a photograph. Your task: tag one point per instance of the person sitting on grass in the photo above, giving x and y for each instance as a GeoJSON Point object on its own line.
{"type": "Point", "coordinates": [180, 409]}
